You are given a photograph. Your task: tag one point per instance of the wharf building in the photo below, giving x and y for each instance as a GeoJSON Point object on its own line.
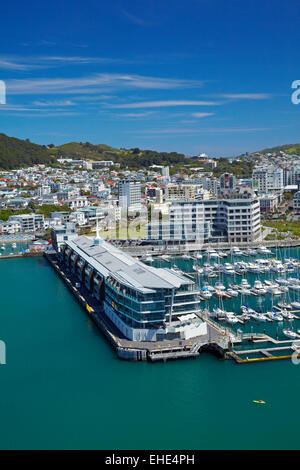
{"type": "Point", "coordinates": [144, 303]}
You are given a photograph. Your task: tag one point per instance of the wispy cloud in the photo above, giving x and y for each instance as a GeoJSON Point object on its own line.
{"type": "Point", "coordinates": [10, 64]}
{"type": "Point", "coordinates": [198, 131]}
{"type": "Point", "coordinates": [105, 81]}
{"type": "Point", "coordinates": [247, 96]}
{"type": "Point", "coordinates": [165, 103]}
{"type": "Point", "coordinates": [135, 19]}
{"type": "Point", "coordinates": [136, 115]}
{"type": "Point", "coordinates": [57, 114]}
{"type": "Point", "coordinates": [51, 61]}
{"type": "Point", "coordinates": [201, 115]}
{"type": "Point", "coordinates": [54, 103]}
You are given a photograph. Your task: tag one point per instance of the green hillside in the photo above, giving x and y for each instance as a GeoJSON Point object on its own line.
{"type": "Point", "coordinates": [133, 158]}
{"type": "Point", "coordinates": [15, 153]}
{"type": "Point", "coordinates": [291, 149]}
{"type": "Point", "coordinates": [78, 150]}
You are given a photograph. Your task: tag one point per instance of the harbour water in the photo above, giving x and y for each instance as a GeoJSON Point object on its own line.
{"type": "Point", "coordinates": [19, 247]}
{"type": "Point", "coordinates": [64, 388]}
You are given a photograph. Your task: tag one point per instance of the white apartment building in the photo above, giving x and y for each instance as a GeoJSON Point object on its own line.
{"type": "Point", "coordinates": [77, 202]}
{"type": "Point", "coordinates": [233, 219]}
{"type": "Point", "coordinates": [177, 192]}
{"type": "Point", "coordinates": [165, 172]}
{"type": "Point", "coordinates": [210, 184]}
{"type": "Point", "coordinates": [10, 227]}
{"type": "Point", "coordinates": [184, 221]}
{"type": "Point", "coordinates": [28, 222]}
{"type": "Point", "coordinates": [268, 179]}
{"type": "Point", "coordinates": [296, 201]}
{"type": "Point", "coordinates": [130, 194]}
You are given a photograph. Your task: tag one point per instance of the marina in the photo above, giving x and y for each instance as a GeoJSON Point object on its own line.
{"type": "Point", "coordinates": [229, 306]}
{"type": "Point", "coordinates": [254, 293]}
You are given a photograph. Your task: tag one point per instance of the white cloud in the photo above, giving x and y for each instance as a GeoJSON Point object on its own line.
{"type": "Point", "coordinates": [135, 19]}
{"type": "Point", "coordinates": [88, 84]}
{"type": "Point", "coordinates": [166, 103]}
{"type": "Point", "coordinates": [197, 131]}
{"type": "Point", "coordinates": [54, 103]}
{"type": "Point", "coordinates": [201, 115]}
{"type": "Point", "coordinates": [247, 96]}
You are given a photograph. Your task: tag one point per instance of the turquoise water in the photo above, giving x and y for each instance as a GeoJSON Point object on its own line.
{"type": "Point", "coordinates": [64, 388]}
{"type": "Point", "coordinates": [7, 248]}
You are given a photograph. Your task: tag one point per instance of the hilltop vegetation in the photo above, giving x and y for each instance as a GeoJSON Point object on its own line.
{"type": "Point", "coordinates": [241, 167]}
{"type": "Point", "coordinates": [290, 149]}
{"type": "Point", "coordinates": [15, 153]}
{"type": "Point", "coordinates": [79, 150]}
{"type": "Point", "coordinates": [133, 158]}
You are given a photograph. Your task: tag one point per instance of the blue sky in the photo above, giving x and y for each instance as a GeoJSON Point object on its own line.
{"type": "Point", "coordinates": [190, 76]}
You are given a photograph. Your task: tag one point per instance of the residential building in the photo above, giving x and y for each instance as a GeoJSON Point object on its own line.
{"type": "Point", "coordinates": [28, 222]}
{"type": "Point", "coordinates": [130, 194]}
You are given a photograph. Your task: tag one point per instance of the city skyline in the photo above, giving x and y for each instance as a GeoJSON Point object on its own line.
{"type": "Point", "coordinates": [206, 76]}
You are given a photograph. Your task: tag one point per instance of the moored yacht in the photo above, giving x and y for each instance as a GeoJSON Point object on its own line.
{"type": "Point", "coordinates": [289, 333]}
{"type": "Point", "coordinates": [264, 250]}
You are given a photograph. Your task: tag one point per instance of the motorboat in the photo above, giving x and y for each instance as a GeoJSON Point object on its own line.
{"type": "Point", "coordinates": [294, 286]}
{"type": "Point", "coordinates": [275, 316]}
{"type": "Point", "coordinates": [231, 318]}
{"type": "Point", "coordinates": [235, 251]}
{"type": "Point", "coordinates": [221, 294]}
{"type": "Point", "coordinates": [232, 292]}
{"type": "Point", "coordinates": [244, 291]}
{"type": "Point", "coordinates": [289, 333]}
{"type": "Point", "coordinates": [258, 284]}
{"type": "Point", "coordinates": [209, 287]}
{"type": "Point", "coordinates": [284, 305]}
{"type": "Point", "coordinates": [218, 312]}
{"type": "Point", "coordinates": [219, 286]}
{"type": "Point", "coordinates": [228, 269]}
{"type": "Point", "coordinates": [274, 290]}
{"type": "Point", "coordinates": [264, 250]}
{"type": "Point", "coordinates": [255, 268]}
{"type": "Point", "coordinates": [259, 290]}
{"type": "Point", "coordinates": [284, 289]}
{"type": "Point", "coordinates": [295, 305]}
{"type": "Point", "coordinates": [282, 282]}
{"type": "Point", "coordinates": [206, 293]}
{"type": "Point", "coordinates": [250, 252]}
{"type": "Point", "coordinates": [245, 284]}
{"type": "Point", "coordinates": [211, 253]}
{"type": "Point", "coordinates": [247, 310]}
{"type": "Point", "coordinates": [259, 317]}
{"type": "Point", "coordinates": [287, 315]}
